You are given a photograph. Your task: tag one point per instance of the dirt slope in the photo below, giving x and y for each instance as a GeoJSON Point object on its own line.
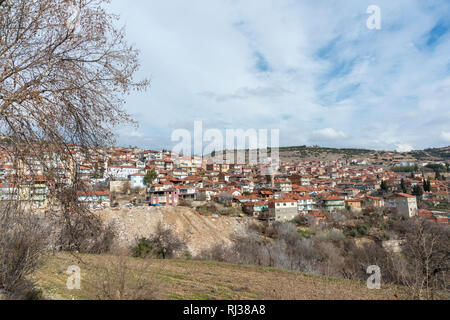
{"type": "Point", "coordinates": [200, 232]}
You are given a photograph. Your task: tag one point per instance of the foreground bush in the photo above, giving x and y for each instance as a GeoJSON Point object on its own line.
{"type": "Point", "coordinates": [118, 278]}
{"type": "Point", "coordinates": [162, 244]}
{"type": "Point", "coordinates": [23, 239]}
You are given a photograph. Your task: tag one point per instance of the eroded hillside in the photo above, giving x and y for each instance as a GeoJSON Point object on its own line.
{"type": "Point", "coordinates": [198, 231]}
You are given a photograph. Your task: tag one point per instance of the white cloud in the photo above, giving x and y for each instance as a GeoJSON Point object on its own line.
{"type": "Point", "coordinates": [328, 134]}
{"type": "Point", "coordinates": [445, 135]}
{"type": "Point", "coordinates": [325, 69]}
{"type": "Point", "coordinates": [404, 148]}
{"type": "Point", "coordinates": [131, 132]}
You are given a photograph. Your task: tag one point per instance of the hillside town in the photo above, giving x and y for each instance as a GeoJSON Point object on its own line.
{"type": "Point", "coordinates": [256, 151]}
{"type": "Point", "coordinates": [121, 176]}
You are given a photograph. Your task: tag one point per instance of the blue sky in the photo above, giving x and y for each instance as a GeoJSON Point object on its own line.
{"type": "Point", "coordinates": [309, 68]}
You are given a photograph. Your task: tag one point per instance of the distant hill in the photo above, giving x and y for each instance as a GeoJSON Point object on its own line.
{"type": "Point", "coordinates": [307, 153]}
{"type": "Point", "coordinates": [322, 153]}
{"type": "Point", "coordinates": [329, 154]}
{"type": "Point", "coordinates": [436, 153]}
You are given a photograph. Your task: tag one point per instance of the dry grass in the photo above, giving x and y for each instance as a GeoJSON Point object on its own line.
{"type": "Point", "coordinates": [199, 280]}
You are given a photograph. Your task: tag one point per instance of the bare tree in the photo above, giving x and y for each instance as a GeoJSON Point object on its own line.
{"type": "Point", "coordinates": [64, 67]}
{"type": "Point", "coordinates": [425, 264]}
{"type": "Point", "coordinates": [165, 243]}
{"type": "Point", "coordinates": [61, 81]}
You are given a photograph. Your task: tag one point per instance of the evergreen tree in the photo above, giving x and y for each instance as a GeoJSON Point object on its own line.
{"type": "Point", "coordinates": [384, 186]}
{"type": "Point", "coordinates": [403, 186]}
{"type": "Point", "coordinates": [150, 177]}
{"type": "Point", "coordinates": [427, 185]}
{"type": "Point", "coordinates": [417, 191]}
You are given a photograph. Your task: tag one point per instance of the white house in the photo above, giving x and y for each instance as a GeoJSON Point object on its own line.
{"type": "Point", "coordinates": [137, 180]}
{"type": "Point", "coordinates": [305, 204]}
{"type": "Point", "coordinates": [122, 172]}
{"type": "Point", "coordinates": [405, 204]}
{"type": "Point", "coordinates": [283, 210]}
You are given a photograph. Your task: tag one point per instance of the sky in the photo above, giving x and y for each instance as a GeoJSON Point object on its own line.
{"type": "Point", "coordinates": [312, 69]}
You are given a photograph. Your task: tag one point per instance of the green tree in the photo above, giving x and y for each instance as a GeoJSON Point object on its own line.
{"type": "Point", "coordinates": [417, 191]}
{"type": "Point", "coordinates": [384, 186]}
{"type": "Point", "coordinates": [150, 176]}
{"type": "Point", "coordinates": [403, 186]}
{"type": "Point", "coordinates": [427, 185]}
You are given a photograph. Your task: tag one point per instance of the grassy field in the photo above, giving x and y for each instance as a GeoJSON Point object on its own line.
{"type": "Point", "coordinates": [199, 280]}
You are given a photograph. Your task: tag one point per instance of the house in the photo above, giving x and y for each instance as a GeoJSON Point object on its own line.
{"type": "Point", "coordinates": [405, 204]}
{"type": "Point", "coordinates": [137, 181]}
{"type": "Point", "coordinates": [434, 217]}
{"type": "Point", "coordinates": [374, 202]}
{"type": "Point", "coordinates": [247, 198]}
{"type": "Point", "coordinates": [283, 210]}
{"type": "Point", "coordinates": [159, 196]}
{"type": "Point", "coordinates": [94, 197]}
{"type": "Point", "coordinates": [305, 204]}
{"type": "Point", "coordinates": [303, 181]}
{"type": "Point", "coordinates": [283, 185]}
{"type": "Point", "coordinates": [187, 192]}
{"type": "Point", "coordinates": [206, 193]}
{"type": "Point", "coordinates": [8, 192]}
{"type": "Point", "coordinates": [334, 203]}
{"type": "Point", "coordinates": [85, 172]}
{"type": "Point", "coordinates": [354, 205]}
{"type": "Point", "coordinates": [256, 209]}
{"type": "Point", "coordinates": [317, 216]}
{"type": "Point", "coordinates": [120, 172]}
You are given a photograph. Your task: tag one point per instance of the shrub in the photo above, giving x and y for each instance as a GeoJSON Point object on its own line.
{"type": "Point", "coordinates": [187, 255]}
{"type": "Point", "coordinates": [84, 232]}
{"type": "Point", "coordinates": [301, 221]}
{"type": "Point", "coordinates": [143, 248]}
{"type": "Point", "coordinates": [23, 239]}
{"type": "Point", "coordinates": [218, 252]}
{"type": "Point", "coordinates": [34, 294]}
{"type": "Point", "coordinates": [118, 278]}
{"type": "Point", "coordinates": [353, 233]}
{"type": "Point", "coordinates": [362, 230]}
{"type": "Point", "coordinates": [185, 203]}
{"type": "Point", "coordinates": [163, 244]}
{"type": "Point", "coordinates": [208, 209]}
{"type": "Point", "coordinates": [231, 212]}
